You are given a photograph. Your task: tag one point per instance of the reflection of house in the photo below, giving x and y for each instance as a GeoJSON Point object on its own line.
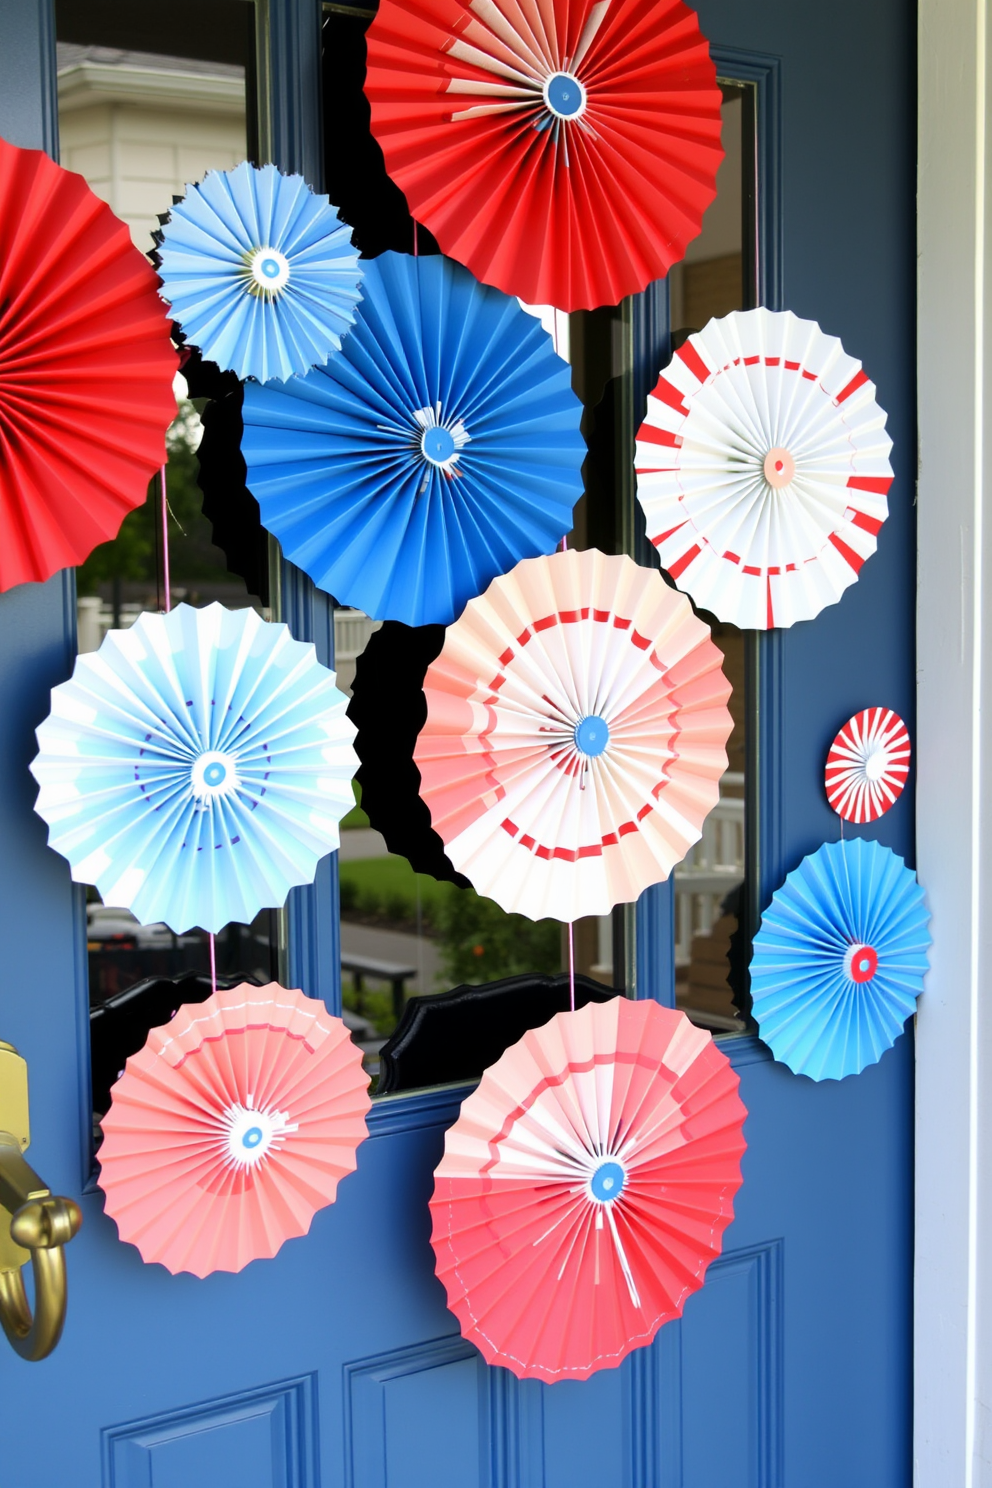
{"type": "Point", "coordinates": [140, 127]}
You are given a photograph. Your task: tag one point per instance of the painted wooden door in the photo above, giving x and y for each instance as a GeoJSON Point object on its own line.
{"type": "Point", "coordinates": [338, 1363]}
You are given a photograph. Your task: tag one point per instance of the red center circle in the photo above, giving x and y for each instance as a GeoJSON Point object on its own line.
{"type": "Point", "coordinates": [862, 963]}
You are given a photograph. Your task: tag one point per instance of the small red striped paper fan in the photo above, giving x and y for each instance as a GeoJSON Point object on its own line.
{"type": "Point", "coordinates": [867, 765]}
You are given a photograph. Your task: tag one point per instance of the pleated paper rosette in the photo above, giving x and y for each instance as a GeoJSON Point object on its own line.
{"type": "Point", "coordinates": [196, 767]}
{"type": "Point", "coordinates": [839, 960]}
{"type": "Point", "coordinates": [586, 1186]}
{"type": "Point", "coordinates": [563, 151]}
{"type": "Point", "coordinates": [86, 369]}
{"type": "Point", "coordinates": [437, 448]}
{"type": "Point", "coordinates": [575, 737]}
{"type": "Point", "coordinates": [259, 271]}
{"type": "Point", "coordinates": [763, 469]}
{"type": "Point", "coordinates": [868, 765]}
{"type": "Point", "coordinates": [231, 1127]}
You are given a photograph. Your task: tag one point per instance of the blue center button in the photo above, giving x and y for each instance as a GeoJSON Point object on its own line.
{"type": "Point", "coordinates": [270, 268]}
{"type": "Point", "coordinates": [438, 445]}
{"type": "Point", "coordinates": [564, 95]}
{"type": "Point", "coordinates": [592, 735]}
{"type": "Point", "coordinates": [215, 773]}
{"type": "Point", "coordinates": [252, 1136]}
{"type": "Point", "coordinates": [607, 1182]}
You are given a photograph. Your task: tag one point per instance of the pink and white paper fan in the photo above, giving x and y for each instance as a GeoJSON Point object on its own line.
{"type": "Point", "coordinates": [231, 1128]}
{"type": "Point", "coordinates": [763, 468]}
{"type": "Point", "coordinates": [575, 737]}
{"type": "Point", "coordinates": [867, 765]}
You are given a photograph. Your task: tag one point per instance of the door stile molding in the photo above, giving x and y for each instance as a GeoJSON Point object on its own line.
{"type": "Point", "coordinates": [953, 1230]}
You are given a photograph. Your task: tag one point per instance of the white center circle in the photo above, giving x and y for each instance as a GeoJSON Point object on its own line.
{"type": "Point", "coordinates": [212, 774]}
{"type": "Point", "coordinates": [250, 1133]}
{"type": "Point", "coordinates": [876, 763]}
{"type": "Point", "coordinates": [269, 270]}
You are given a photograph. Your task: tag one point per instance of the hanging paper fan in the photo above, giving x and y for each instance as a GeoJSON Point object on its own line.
{"type": "Point", "coordinates": [388, 709]}
{"type": "Point", "coordinates": [867, 765]}
{"type": "Point", "coordinates": [231, 1127]}
{"type": "Point", "coordinates": [763, 468]}
{"type": "Point", "coordinates": [586, 1186]}
{"type": "Point", "coordinates": [86, 369]}
{"type": "Point", "coordinates": [575, 737]}
{"type": "Point", "coordinates": [437, 448]}
{"type": "Point", "coordinates": [565, 152]}
{"type": "Point", "coordinates": [196, 767]}
{"type": "Point", "coordinates": [839, 960]}
{"type": "Point", "coordinates": [259, 271]}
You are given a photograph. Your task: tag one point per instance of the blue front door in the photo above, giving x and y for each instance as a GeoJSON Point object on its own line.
{"type": "Point", "coordinates": [338, 1363]}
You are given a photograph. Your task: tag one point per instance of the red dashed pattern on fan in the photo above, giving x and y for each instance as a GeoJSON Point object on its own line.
{"type": "Point", "coordinates": [867, 765]}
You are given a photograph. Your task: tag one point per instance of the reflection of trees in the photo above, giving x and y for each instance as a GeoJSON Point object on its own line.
{"type": "Point", "coordinates": [133, 556]}
{"type": "Point", "coordinates": [480, 943]}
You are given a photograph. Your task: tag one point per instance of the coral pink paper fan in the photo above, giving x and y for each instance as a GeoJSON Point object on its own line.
{"type": "Point", "coordinates": [867, 765]}
{"type": "Point", "coordinates": [585, 1188]}
{"type": "Point", "coordinates": [564, 152]}
{"type": "Point", "coordinates": [575, 736]}
{"type": "Point", "coordinates": [86, 369]}
{"type": "Point", "coordinates": [231, 1128]}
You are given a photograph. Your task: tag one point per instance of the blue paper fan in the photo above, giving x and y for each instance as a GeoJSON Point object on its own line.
{"type": "Point", "coordinates": [196, 767]}
{"type": "Point", "coordinates": [439, 447]}
{"type": "Point", "coordinates": [839, 960]}
{"type": "Point", "coordinates": [260, 273]}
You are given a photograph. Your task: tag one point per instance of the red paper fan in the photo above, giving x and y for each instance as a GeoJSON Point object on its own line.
{"type": "Point", "coordinates": [867, 765]}
{"type": "Point", "coordinates": [586, 1186]}
{"type": "Point", "coordinates": [86, 369]}
{"type": "Point", "coordinates": [562, 150]}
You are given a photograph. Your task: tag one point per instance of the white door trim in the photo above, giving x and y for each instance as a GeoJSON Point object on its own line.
{"type": "Point", "coordinates": [953, 1322]}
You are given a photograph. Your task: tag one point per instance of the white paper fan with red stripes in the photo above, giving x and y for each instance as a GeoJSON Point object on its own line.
{"type": "Point", "coordinates": [763, 468]}
{"type": "Point", "coordinates": [575, 737]}
{"type": "Point", "coordinates": [867, 765]}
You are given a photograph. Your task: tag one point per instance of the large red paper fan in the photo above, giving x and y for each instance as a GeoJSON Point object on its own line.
{"type": "Point", "coordinates": [563, 150]}
{"type": "Point", "coordinates": [86, 369]}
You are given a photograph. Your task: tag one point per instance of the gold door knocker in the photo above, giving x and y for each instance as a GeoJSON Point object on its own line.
{"type": "Point", "coordinates": [34, 1225]}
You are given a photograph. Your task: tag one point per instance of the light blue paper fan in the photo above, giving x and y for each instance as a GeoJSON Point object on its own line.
{"type": "Point", "coordinates": [439, 447]}
{"type": "Point", "coordinates": [259, 271]}
{"type": "Point", "coordinates": [839, 960]}
{"type": "Point", "coordinates": [196, 767]}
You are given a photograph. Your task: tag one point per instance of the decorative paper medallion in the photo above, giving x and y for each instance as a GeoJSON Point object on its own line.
{"type": "Point", "coordinates": [839, 960]}
{"type": "Point", "coordinates": [565, 151]}
{"type": "Point", "coordinates": [437, 448]}
{"type": "Point", "coordinates": [586, 1186]}
{"type": "Point", "coordinates": [867, 765]}
{"type": "Point", "coordinates": [196, 767]}
{"type": "Point", "coordinates": [86, 369]}
{"type": "Point", "coordinates": [575, 737]}
{"type": "Point", "coordinates": [230, 1129]}
{"type": "Point", "coordinates": [259, 271]}
{"type": "Point", "coordinates": [763, 468]}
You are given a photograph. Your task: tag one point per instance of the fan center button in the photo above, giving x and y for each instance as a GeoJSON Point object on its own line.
{"type": "Point", "coordinates": [592, 734]}
{"type": "Point", "coordinates": [213, 774]}
{"type": "Point", "coordinates": [564, 95]}
{"type": "Point", "coordinates": [438, 445]}
{"type": "Point", "coordinates": [268, 270]}
{"type": "Point", "coordinates": [607, 1182]}
{"type": "Point", "coordinates": [861, 963]}
{"type": "Point", "coordinates": [779, 468]}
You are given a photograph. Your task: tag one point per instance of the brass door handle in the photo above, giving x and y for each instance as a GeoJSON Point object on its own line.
{"type": "Point", "coordinates": [34, 1226]}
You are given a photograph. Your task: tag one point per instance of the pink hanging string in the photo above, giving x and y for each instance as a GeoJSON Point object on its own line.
{"type": "Point", "coordinates": [165, 540]}
{"type": "Point", "coordinates": [571, 964]}
{"type": "Point", "coordinates": [213, 961]}
{"type": "Point", "coordinates": [416, 245]}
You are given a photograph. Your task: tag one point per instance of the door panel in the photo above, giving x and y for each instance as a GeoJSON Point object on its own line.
{"type": "Point", "coordinates": [338, 1363]}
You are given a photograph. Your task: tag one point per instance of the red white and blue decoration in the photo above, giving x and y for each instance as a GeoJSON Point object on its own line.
{"type": "Point", "coordinates": [86, 370]}
{"type": "Point", "coordinates": [585, 1188]}
{"type": "Point", "coordinates": [231, 1127]}
{"type": "Point", "coordinates": [259, 271]}
{"type": "Point", "coordinates": [196, 766]}
{"type": "Point", "coordinates": [839, 960]}
{"type": "Point", "coordinates": [763, 469]}
{"type": "Point", "coordinates": [564, 150]}
{"type": "Point", "coordinates": [867, 765]}
{"type": "Point", "coordinates": [438, 447]}
{"type": "Point", "coordinates": [576, 734]}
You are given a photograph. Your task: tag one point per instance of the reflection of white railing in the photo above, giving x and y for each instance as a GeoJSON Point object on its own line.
{"type": "Point", "coordinates": [711, 869]}
{"type": "Point", "coordinates": [351, 633]}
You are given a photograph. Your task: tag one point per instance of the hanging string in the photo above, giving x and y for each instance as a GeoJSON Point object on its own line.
{"type": "Point", "coordinates": [416, 246]}
{"type": "Point", "coordinates": [571, 965]}
{"type": "Point", "coordinates": [165, 541]}
{"type": "Point", "coordinates": [213, 961]}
